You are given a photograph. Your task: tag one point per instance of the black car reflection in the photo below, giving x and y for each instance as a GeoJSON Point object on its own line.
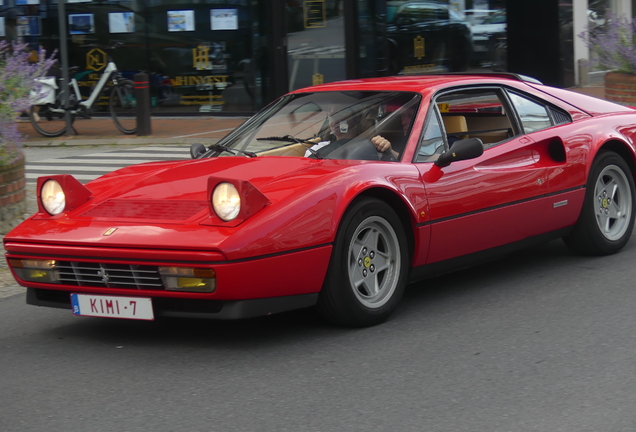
{"type": "Point", "coordinates": [426, 37]}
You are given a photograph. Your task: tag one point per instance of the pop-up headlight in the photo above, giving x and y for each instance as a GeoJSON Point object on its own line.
{"type": "Point", "coordinates": [226, 201]}
{"type": "Point", "coordinates": [52, 197]}
{"type": "Point", "coordinates": [60, 193]}
{"type": "Point", "coordinates": [233, 201]}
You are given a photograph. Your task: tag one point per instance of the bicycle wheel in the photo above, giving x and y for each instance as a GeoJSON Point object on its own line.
{"type": "Point", "coordinates": [48, 121]}
{"type": "Point", "coordinates": [123, 107]}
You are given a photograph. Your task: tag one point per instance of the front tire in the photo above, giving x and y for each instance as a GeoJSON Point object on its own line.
{"type": "Point", "coordinates": [607, 218]}
{"type": "Point", "coordinates": [368, 268]}
{"type": "Point", "coordinates": [123, 107]}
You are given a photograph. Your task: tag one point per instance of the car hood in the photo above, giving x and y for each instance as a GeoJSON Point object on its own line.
{"type": "Point", "coordinates": [187, 180]}
{"type": "Point", "coordinates": [165, 206]}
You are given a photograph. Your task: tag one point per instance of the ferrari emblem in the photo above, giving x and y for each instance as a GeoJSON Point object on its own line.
{"type": "Point", "coordinates": [605, 203]}
{"type": "Point", "coordinates": [103, 275]}
{"type": "Point", "coordinates": [109, 231]}
{"type": "Point", "coordinates": [367, 262]}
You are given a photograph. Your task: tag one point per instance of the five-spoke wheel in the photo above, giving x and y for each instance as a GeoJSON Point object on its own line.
{"type": "Point", "coordinates": [607, 218]}
{"type": "Point", "coordinates": [368, 267]}
{"type": "Point", "coordinates": [614, 202]}
{"type": "Point", "coordinates": [374, 257]}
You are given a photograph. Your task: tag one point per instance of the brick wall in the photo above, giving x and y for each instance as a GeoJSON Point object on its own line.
{"type": "Point", "coordinates": [620, 88]}
{"type": "Point", "coordinates": [12, 195]}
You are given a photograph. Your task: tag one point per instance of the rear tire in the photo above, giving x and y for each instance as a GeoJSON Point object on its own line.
{"type": "Point", "coordinates": [46, 122]}
{"type": "Point", "coordinates": [368, 268]}
{"type": "Point", "coordinates": [607, 218]}
{"type": "Point", "coordinates": [123, 107]}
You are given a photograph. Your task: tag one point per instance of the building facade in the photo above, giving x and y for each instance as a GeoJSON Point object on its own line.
{"type": "Point", "coordinates": [235, 56]}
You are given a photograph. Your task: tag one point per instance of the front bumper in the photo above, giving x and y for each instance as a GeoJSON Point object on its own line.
{"type": "Point", "coordinates": [244, 288]}
{"type": "Point", "coordinates": [192, 308]}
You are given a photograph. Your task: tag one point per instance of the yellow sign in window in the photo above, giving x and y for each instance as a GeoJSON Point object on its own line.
{"type": "Point", "coordinates": [315, 13]}
{"type": "Point", "coordinates": [418, 48]}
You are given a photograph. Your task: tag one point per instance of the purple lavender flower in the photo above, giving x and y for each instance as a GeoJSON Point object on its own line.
{"type": "Point", "coordinates": [614, 43]}
{"type": "Point", "coordinates": [18, 71]}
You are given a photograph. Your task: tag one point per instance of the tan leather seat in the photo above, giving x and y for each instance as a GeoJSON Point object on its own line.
{"type": "Point", "coordinates": [455, 125]}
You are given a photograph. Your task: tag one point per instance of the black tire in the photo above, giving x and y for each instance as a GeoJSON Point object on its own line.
{"type": "Point", "coordinates": [123, 107]}
{"type": "Point", "coordinates": [369, 254]}
{"type": "Point", "coordinates": [47, 122]}
{"type": "Point", "coordinates": [607, 218]}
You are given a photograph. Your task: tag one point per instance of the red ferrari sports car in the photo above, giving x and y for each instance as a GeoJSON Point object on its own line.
{"type": "Point", "coordinates": [335, 197]}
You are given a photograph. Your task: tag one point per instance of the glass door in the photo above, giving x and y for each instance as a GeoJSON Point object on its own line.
{"type": "Point", "coordinates": [315, 42]}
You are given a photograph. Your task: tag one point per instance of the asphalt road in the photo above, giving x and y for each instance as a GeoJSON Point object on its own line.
{"type": "Point", "coordinates": [540, 341]}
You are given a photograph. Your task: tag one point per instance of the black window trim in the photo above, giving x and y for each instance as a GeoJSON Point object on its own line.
{"type": "Point", "coordinates": [550, 107]}
{"type": "Point", "coordinates": [513, 116]}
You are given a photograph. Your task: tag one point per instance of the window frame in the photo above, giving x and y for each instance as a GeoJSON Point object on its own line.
{"type": "Point", "coordinates": [506, 103]}
{"type": "Point", "coordinates": [549, 107]}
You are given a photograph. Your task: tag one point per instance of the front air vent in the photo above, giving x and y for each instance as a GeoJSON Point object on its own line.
{"type": "Point", "coordinates": [164, 210]}
{"type": "Point", "coordinates": [116, 276]}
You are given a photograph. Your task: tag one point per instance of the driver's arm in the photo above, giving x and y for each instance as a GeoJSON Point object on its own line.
{"type": "Point", "coordinates": [382, 144]}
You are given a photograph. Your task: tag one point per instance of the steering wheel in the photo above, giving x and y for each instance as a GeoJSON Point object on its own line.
{"type": "Point", "coordinates": [361, 149]}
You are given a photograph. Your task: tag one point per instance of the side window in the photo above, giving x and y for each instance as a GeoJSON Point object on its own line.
{"type": "Point", "coordinates": [475, 113]}
{"type": "Point", "coordinates": [534, 116]}
{"type": "Point", "coordinates": [432, 139]}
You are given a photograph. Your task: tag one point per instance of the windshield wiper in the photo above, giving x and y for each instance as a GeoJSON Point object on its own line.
{"type": "Point", "coordinates": [221, 148]}
{"type": "Point", "coordinates": [289, 138]}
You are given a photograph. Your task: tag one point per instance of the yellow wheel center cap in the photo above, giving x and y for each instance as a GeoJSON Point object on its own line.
{"type": "Point", "coordinates": [605, 203]}
{"type": "Point", "coordinates": [367, 262]}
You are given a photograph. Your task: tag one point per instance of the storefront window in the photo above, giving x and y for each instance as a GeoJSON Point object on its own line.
{"type": "Point", "coordinates": [206, 50]}
{"type": "Point", "coordinates": [199, 55]}
{"type": "Point", "coordinates": [431, 36]}
{"type": "Point", "coordinates": [315, 42]}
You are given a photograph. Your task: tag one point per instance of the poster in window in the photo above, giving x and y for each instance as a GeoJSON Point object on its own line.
{"type": "Point", "coordinates": [224, 19]}
{"type": "Point", "coordinates": [182, 20]}
{"type": "Point", "coordinates": [121, 22]}
{"type": "Point", "coordinates": [27, 2]}
{"type": "Point", "coordinates": [2, 33]}
{"type": "Point", "coordinates": [81, 23]}
{"type": "Point", "coordinates": [28, 26]}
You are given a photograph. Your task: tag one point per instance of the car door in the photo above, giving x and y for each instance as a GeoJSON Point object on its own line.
{"type": "Point", "coordinates": [492, 200]}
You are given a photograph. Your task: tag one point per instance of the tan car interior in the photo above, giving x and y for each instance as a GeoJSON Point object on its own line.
{"type": "Point", "coordinates": [487, 128]}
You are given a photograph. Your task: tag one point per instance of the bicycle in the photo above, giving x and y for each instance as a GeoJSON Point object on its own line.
{"type": "Point", "coordinates": [47, 114]}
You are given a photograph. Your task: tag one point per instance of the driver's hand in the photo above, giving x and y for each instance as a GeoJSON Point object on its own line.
{"type": "Point", "coordinates": [381, 144]}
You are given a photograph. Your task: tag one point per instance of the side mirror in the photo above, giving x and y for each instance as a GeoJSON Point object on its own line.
{"type": "Point", "coordinates": [196, 150]}
{"type": "Point", "coordinates": [463, 149]}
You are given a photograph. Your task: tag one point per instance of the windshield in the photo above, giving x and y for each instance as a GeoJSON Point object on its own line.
{"type": "Point", "coordinates": [327, 125]}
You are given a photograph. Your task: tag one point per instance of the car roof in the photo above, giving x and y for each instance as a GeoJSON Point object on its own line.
{"type": "Point", "coordinates": [419, 83]}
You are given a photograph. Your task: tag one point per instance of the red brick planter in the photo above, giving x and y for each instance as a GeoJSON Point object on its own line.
{"type": "Point", "coordinates": [12, 195]}
{"type": "Point", "coordinates": [620, 88]}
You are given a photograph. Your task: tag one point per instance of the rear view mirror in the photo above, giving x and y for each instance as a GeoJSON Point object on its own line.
{"type": "Point", "coordinates": [461, 150]}
{"type": "Point", "coordinates": [196, 150]}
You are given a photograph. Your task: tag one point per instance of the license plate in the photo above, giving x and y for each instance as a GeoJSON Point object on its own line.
{"type": "Point", "coordinates": [139, 308]}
